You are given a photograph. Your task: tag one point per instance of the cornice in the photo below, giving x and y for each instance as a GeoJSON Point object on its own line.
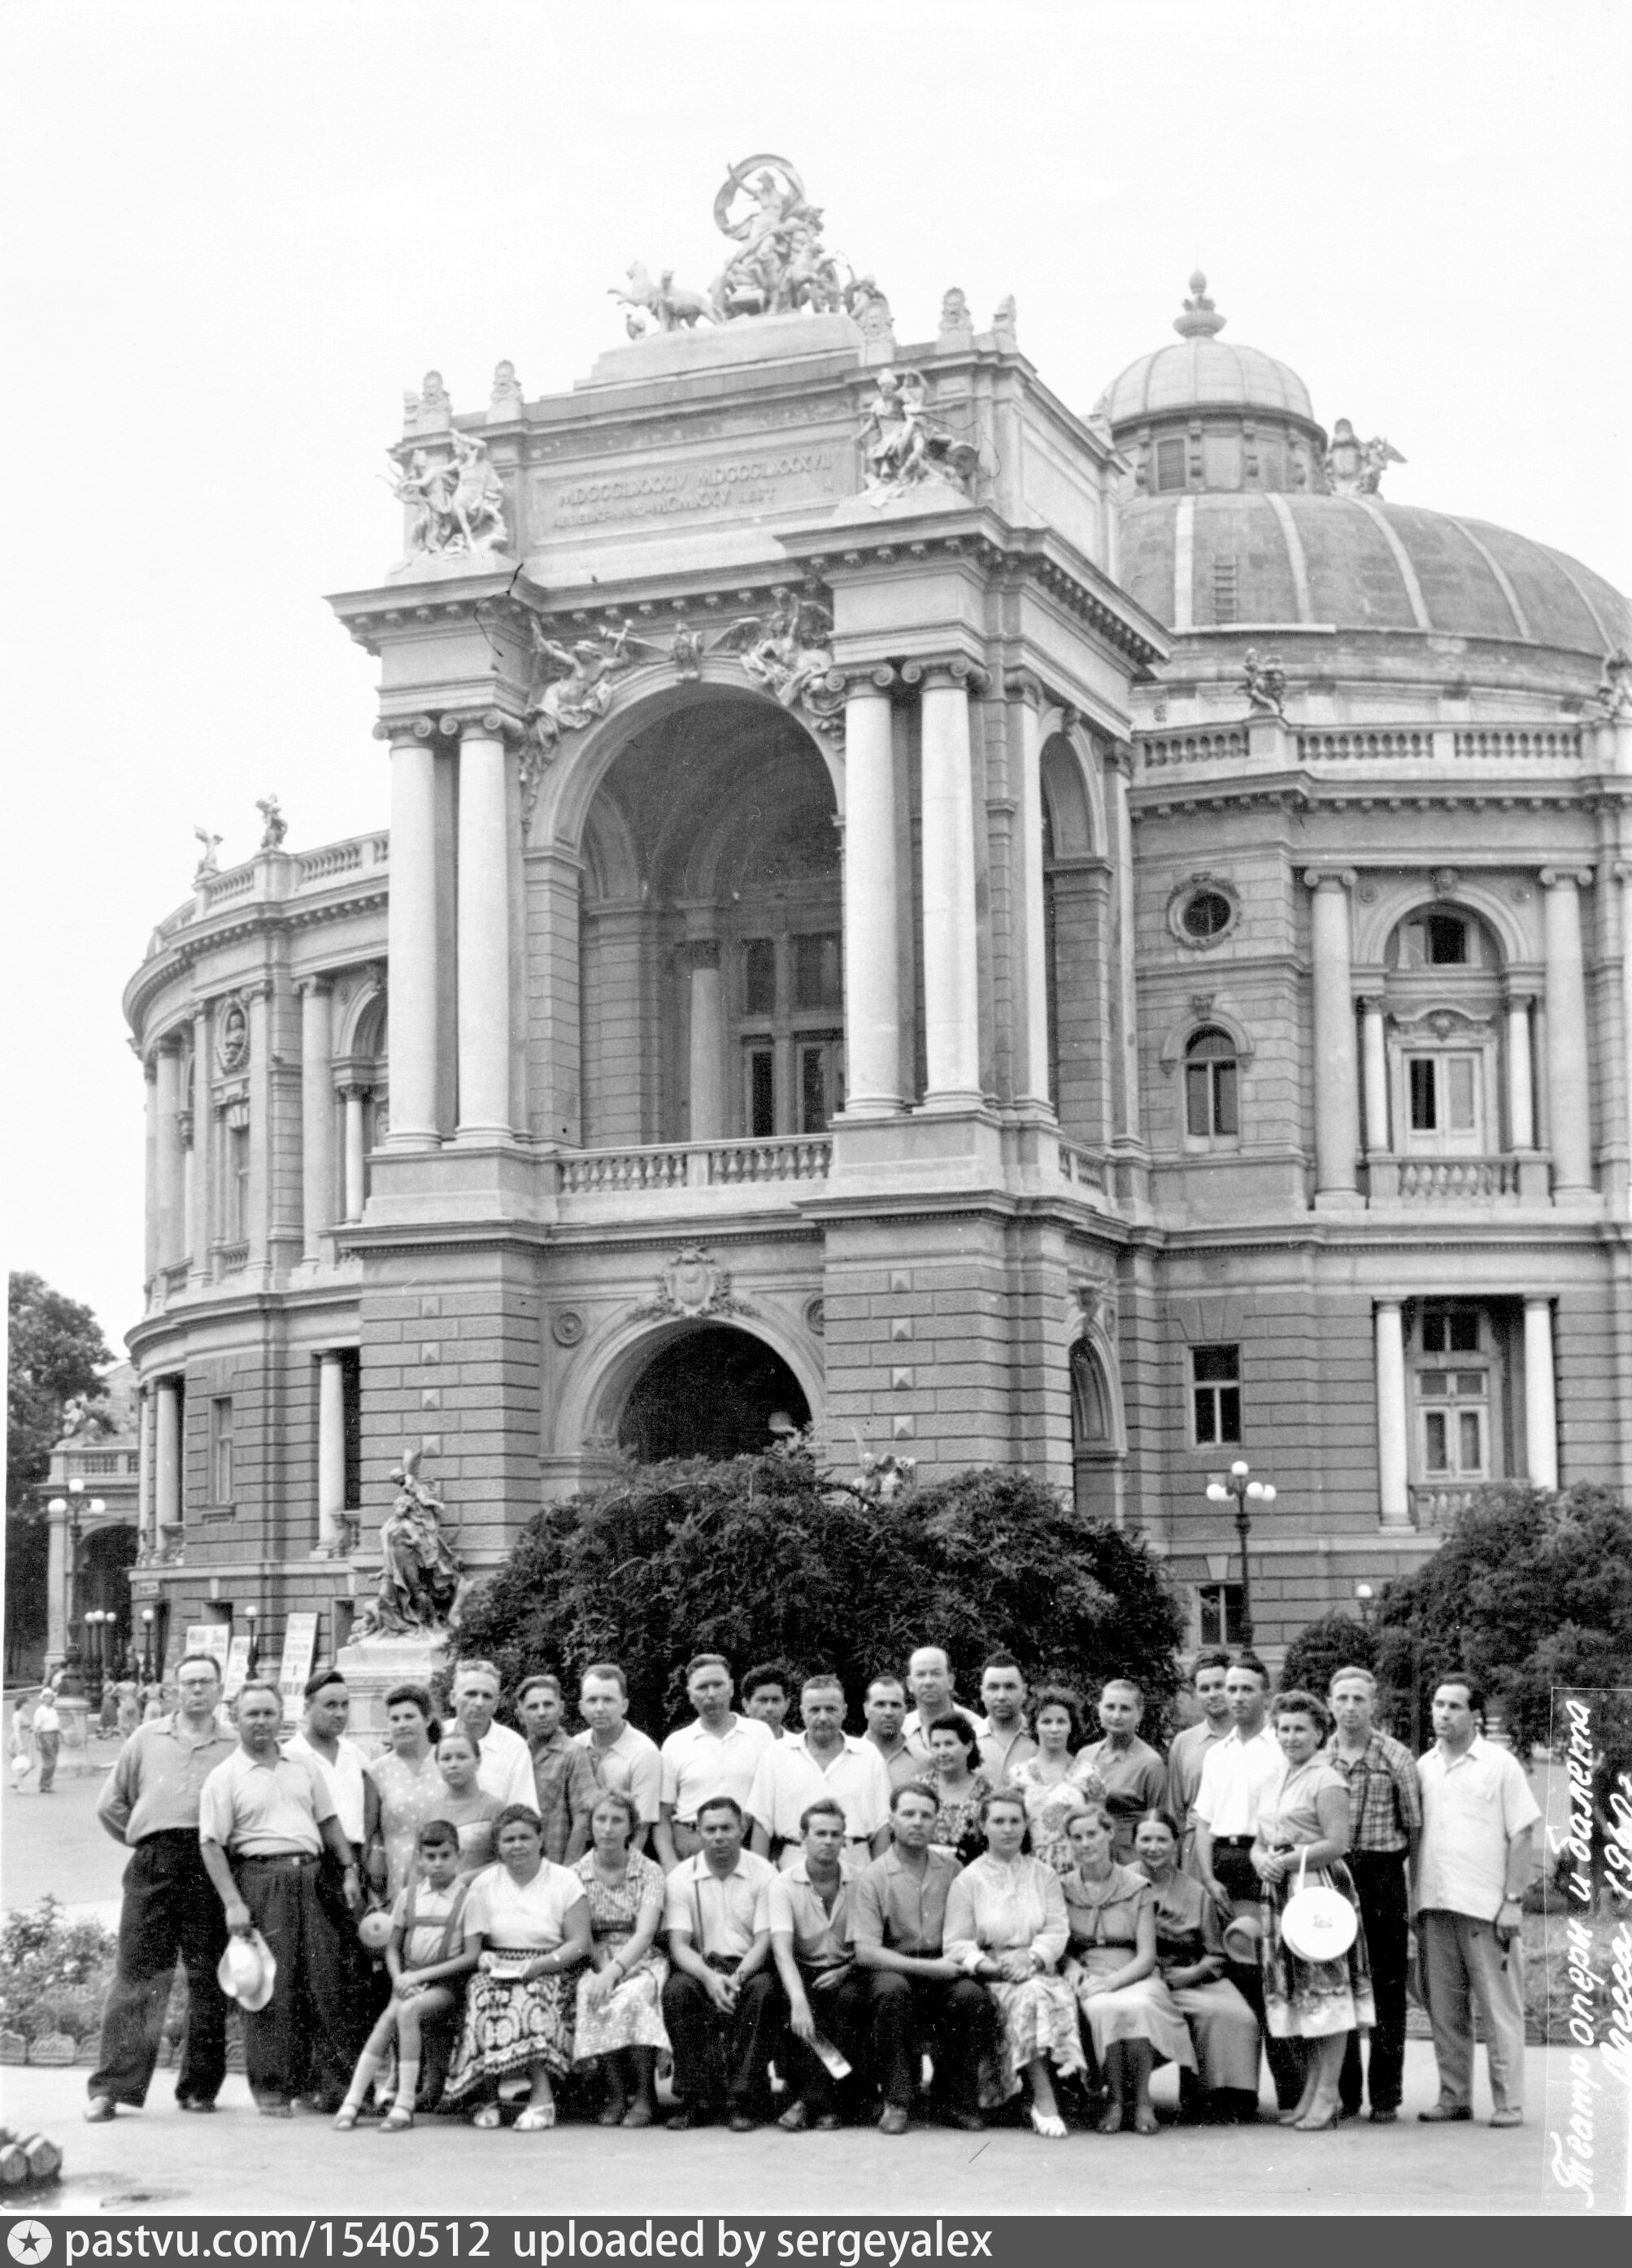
{"type": "Point", "coordinates": [267, 919]}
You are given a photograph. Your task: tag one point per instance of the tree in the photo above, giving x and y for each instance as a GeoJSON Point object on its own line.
{"type": "Point", "coordinates": [1530, 1591]}
{"type": "Point", "coordinates": [761, 1557]}
{"type": "Point", "coordinates": [56, 1347]}
{"type": "Point", "coordinates": [1337, 1641]}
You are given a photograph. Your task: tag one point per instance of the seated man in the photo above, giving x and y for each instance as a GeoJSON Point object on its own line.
{"type": "Point", "coordinates": [720, 2001]}
{"type": "Point", "coordinates": [897, 1921]}
{"type": "Point", "coordinates": [809, 1903]}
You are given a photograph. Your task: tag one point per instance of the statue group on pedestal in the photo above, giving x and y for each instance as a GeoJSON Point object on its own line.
{"type": "Point", "coordinates": [420, 1580]}
{"type": "Point", "coordinates": [455, 497]}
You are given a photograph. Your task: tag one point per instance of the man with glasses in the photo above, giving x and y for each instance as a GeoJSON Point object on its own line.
{"type": "Point", "coordinates": [169, 1906]}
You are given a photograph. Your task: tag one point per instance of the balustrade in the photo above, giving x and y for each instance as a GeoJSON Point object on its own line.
{"type": "Point", "coordinates": [692, 1165]}
{"type": "Point", "coordinates": [1434, 1506]}
{"type": "Point", "coordinates": [1083, 1166]}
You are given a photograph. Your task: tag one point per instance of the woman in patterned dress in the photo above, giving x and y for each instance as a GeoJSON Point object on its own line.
{"type": "Point", "coordinates": [1006, 1925]}
{"type": "Point", "coordinates": [1130, 2012]}
{"type": "Point", "coordinates": [407, 1788]}
{"type": "Point", "coordinates": [529, 1921]}
{"type": "Point", "coordinates": [1190, 1955]}
{"type": "Point", "coordinates": [958, 1790]}
{"type": "Point", "coordinates": [620, 2011]}
{"type": "Point", "coordinates": [1056, 1783]}
{"type": "Point", "coordinates": [1302, 1836]}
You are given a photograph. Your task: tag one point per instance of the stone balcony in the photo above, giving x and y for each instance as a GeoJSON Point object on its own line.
{"type": "Point", "coordinates": [1502, 1179]}
{"type": "Point", "coordinates": [1434, 1505]}
{"type": "Point", "coordinates": [276, 877]}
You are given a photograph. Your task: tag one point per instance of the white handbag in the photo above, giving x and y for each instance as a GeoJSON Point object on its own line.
{"type": "Point", "coordinates": [1317, 1923]}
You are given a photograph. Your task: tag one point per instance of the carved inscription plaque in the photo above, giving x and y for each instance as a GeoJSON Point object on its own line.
{"type": "Point", "coordinates": [782, 477]}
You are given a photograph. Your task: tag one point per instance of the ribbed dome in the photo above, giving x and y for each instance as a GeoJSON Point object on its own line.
{"type": "Point", "coordinates": [1357, 563]}
{"type": "Point", "coordinates": [1202, 372]}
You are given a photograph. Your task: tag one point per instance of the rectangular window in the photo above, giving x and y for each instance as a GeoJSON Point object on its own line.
{"type": "Point", "coordinates": [1424, 1094]}
{"type": "Point", "coordinates": [761, 1072]}
{"type": "Point", "coordinates": [816, 978]}
{"type": "Point", "coordinates": [759, 977]}
{"type": "Point", "coordinates": [1444, 1092]}
{"type": "Point", "coordinates": [1453, 1418]}
{"type": "Point", "coordinates": [1215, 1393]}
{"type": "Point", "coordinates": [1451, 1330]}
{"type": "Point", "coordinates": [238, 1183]}
{"type": "Point", "coordinates": [1220, 1616]}
{"type": "Point", "coordinates": [221, 1449]}
{"type": "Point", "coordinates": [1170, 465]}
{"type": "Point", "coordinates": [1447, 941]}
{"type": "Point", "coordinates": [1210, 1098]}
{"type": "Point", "coordinates": [822, 1083]}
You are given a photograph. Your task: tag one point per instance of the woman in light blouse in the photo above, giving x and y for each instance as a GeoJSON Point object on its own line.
{"type": "Point", "coordinates": [1303, 1835]}
{"type": "Point", "coordinates": [1190, 1957]}
{"type": "Point", "coordinates": [1130, 2013]}
{"type": "Point", "coordinates": [1055, 1783]}
{"type": "Point", "coordinates": [1006, 1925]}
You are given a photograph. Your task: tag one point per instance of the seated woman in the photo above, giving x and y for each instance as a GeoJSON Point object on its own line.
{"type": "Point", "coordinates": [429, 1959]}
{"type": "Point", "coordinates": [619, 2012]}
{"type": "Point", "coordinates": [1006, 1925]}
{"type": "Point", "coordinates": [1056, 1782]}
{"type": "Point", "coordinates": [529, 1921]}
{"type": "Point", "coordinates": [1303, 1835]}
{"type": "Point", "coordinates": [958, 1790]}
{"type": "Point", "coordinates": [465, 1805]}
{"type": "Point", "coordinates": [1131, 2016]}
{"type": "Point", "coordinates": [1190, 1960]}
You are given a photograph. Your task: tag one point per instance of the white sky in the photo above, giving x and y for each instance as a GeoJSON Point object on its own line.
{"type": "Point", "coordinates": [236, 231]}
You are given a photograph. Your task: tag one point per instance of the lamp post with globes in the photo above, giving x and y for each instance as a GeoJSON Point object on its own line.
{"type": "Point", "coordinates": [1237, 1486]}
{"type": "Point", "coordinates": [149, 1617]}
{"type": "Point", "coordinates": [71, 1509]}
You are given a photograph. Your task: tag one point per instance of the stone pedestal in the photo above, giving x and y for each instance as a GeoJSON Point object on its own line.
{"type": "Point", "coordinates": [373, 1666]}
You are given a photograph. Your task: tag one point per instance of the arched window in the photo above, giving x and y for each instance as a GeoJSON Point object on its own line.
{"type": "Point", "coordinates": [1095, 1455]}
{"type": "Point", "coordinates": [1211, 1087]}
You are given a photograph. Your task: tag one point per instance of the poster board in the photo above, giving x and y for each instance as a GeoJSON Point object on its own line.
{"type": "Point", "coordinates": [237, 1666]}
{"type": "Point", "coordinates": [211, 1638]}
{"type": "Point", "coordinates": [299, 1646]}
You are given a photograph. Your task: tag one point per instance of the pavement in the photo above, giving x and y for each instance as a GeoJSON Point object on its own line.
{"type": "Point", "coordinates": [238, 2162]}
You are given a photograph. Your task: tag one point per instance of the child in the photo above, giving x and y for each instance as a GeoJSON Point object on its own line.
{"type": "Point", "coordinates": [426, 1956]}
{"type": "Point", "coordinates": [465, 1806]}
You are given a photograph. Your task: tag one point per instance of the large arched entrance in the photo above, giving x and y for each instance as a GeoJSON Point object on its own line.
{"type": "Point", "coordinates": [711, 1392]}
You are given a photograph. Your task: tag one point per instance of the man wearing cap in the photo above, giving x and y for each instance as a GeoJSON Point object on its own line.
{"type": "Point", "coordinates": [150, 1804]}
{"type": "Point", "coordinates": [264, 1820]}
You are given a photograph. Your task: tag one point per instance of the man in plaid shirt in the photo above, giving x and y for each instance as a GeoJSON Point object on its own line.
{"type": "Point", "coordinates": [1384, 1826]}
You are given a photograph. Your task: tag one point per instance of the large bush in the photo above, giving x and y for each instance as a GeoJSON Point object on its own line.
{"type": "Point", "coordinates": [1321, 1649]}
{"type": "Point", "coordinates": [53, 1973]}
{"type": "Point", "coordinates": [766, 1555]}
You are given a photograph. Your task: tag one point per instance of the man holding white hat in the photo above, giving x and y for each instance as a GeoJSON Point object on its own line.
{"type": "Point", "coordinates": [264, 1820]}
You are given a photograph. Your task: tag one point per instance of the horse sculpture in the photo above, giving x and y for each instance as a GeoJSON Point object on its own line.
{"type": "Point", "coordinates": [670, 308]}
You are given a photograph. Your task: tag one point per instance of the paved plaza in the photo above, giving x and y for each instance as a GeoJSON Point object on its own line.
{"type": "Point", "coordinates": [238, 2162]}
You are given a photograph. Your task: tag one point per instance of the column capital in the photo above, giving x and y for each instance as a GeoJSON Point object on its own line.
{"type": "Point", "coordinates": [1388, 1307]}
{"type": "Point", "coordinates": [1519, 998]}
{"type": "Point", "coordinates": [930, 670]}
{"type": "Point", "coordinates": [308, 987]}
{"type": "Point", "coordinates": [484, 724]}
{"type": "Point", "coordinates": [1330, 878]}
{"type": "Point", "coordinates": [1373, 1003]}
{"type": "Point", "coordinates": [406, 732]}
{"type": "Point", "coordinates": [1564, 877]}
{"type": "Point", "coordinates": [1024, 685]}
{"type": "Point", "coordinates": [864, 679]}
{"type": "Point", "coordinates": [356, 1090]}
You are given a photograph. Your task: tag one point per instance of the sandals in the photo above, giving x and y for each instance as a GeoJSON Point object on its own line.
{"type": "Point", "coordinates": [1145, 2121]}
{"type": "Point", "coordinates": [397, 2120]}
{"type": "Point", "coordinates": [1049, 2124]}
{"type": "Point", "coordinates": [346, 2118]}
{"type": "Point", "coordinates": [638, 2114]}
{"type": "Point", "coordinates": [487, 2117]}
{"type": "Point", "coordinates": [537, 2118]}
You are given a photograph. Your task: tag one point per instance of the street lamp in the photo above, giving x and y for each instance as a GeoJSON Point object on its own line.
{"type": "Point", "coordinates": [1244, 1491]}
{"type": "Point", "coordinates": [147, 1620]}
{"type": "Point", "coordinates": [1364, 1599]}
{"type": "Point", "coordinates": [73, 1507]}
{"type": "Point", "coordinates": [250, 1617]}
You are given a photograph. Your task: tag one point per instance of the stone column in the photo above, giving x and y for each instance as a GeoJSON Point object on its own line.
{"type": "Point", "coordinates": [1031, 1054]}
{"type": "Point", "coordinates": [57, 1585]}
{"type": "Point", "coordinates": [1569, 1101]}
{"type": "Point", "coordinates": [871, 965]}
{"type": "Point", "coordinates": [168, 1512]}
{"type": "Point", "coordinates": [258, 998]}
{"type": "Point", "coordinates": [1623, 879]}
{"type": "Point", "coordinates": [1118, 780]}
{"type": "Point", "coordinates": [331, 1457]}
{"type": "Point", "coordinates": [145, 1522]}
{"type": "Point", "coordinates": [1521, 1116]}
{"type": "Point", "coordinates": [197, 1159]}
{"type": "Point", "coordinates": [411, 935]}
{"type": "Point", "coordinates": [317, 1116]}
{"type": "Point", "coordinates": [484, 903]}
{"type": "Point", "coordinates": [1392, 1458]}
{"type": "Point", "coordinates": [150, 1214]}
{"type": "Point", "coordinates": [1374, 1058]}
{"type": "Point", "coordinates": [950, 956]}
{"type": "Point", "coordinates": [356, 1100]}
{"type": "Point", "coordinates": [706, 1050]}
{"type": "Point", "coordinates": [168, 1163]}
{"type": "Point", "coordinates": [1337, 1112]}
{"type": "Point", "coordinates": [1540, 1404]}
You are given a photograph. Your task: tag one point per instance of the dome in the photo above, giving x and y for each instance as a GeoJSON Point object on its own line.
{"type": "Point", "coordinates": [1359, 564]}
{"type": "Point", "coordinates": [1202, 372]}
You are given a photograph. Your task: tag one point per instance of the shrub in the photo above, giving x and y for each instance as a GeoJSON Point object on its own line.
{"type": "Point", "coordinates": [53, 1973]}
{"type": "Point", "coordinates": [766, 1557]}
{"type": "Point", "coordinates": [1320, 1649]}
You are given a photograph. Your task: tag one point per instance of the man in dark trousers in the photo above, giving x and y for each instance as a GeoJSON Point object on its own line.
{"type": "Point", "coordinates": [1385, 1827]}
{"type": "Point", "coordinates": [721, 2004]}
{"type": "Point", "coordinates": [263, 1822]}
{"type": "Point", "coordinates": [150, 1803]}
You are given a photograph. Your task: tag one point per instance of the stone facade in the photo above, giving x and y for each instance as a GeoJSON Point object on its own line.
{"type": "Point", "coordinates": [1082, 945]}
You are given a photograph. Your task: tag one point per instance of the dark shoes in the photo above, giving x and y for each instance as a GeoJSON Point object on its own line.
{"type": "Point", "coordinates": [689, 2117]}
{"type": "Point", "coordinates": [100, 2110]}
{"type": "Point", "coordinates": [194, 2102]}
{"type": "Point", "coordinates": [1446, 2114]}
{"type": "Point", "coordinates": [1382, 2118]}
{"type": "Point", "coordinates": [967, 2122]}
{"type": "Point", "coordinates": [740, 2122]}
{"type": "Point", "coordinates": [894, 2119]}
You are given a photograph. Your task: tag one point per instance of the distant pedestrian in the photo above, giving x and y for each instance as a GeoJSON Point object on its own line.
{"type": "Point", "coordinates": [48, 1739]}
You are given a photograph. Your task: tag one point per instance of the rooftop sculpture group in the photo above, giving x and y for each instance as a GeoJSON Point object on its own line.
{"type": "Point", "coordinates": [455, 500]}
{"type": "Point", "coordinates": [903, 446]}
{"type": "Point", "coordinates": [1356, 468]}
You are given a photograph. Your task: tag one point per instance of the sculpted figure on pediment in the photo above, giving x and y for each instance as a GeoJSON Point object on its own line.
{"type": "Point", "coordinates": [789, 652]}
{"type": "Point", "coordinates": [455, 497]}
{"type": "Point", "coordinates": [903, 445]}
{"type": "Point", "coordinates": [572, 686]}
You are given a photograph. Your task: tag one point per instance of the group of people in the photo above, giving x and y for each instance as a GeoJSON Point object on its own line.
{"type": "Point", "coordinates": [954, 1910]}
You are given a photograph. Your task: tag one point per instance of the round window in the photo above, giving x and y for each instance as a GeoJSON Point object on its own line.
{"type": "Point", "coordinates": [1207, 913]}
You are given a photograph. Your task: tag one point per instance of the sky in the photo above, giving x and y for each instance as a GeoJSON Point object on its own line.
{"type": "Point", "coordinates": [235, 233]}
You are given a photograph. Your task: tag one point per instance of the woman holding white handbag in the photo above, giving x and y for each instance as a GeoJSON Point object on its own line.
{"type": "Point", "coordinates": [1317, 1979]}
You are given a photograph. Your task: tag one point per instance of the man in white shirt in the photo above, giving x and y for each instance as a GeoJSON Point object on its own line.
{"type": "Point", "coordinates": [717, 1755]}
{"type": "Point", "coordinates": [1236, 1774]}
{"type": "Point", "coordinates": [623, 1756]}
{"type": "Point", "coordinates": [1009, 1741]}
{"type": "Point", "coordinates": [930, 1681]}
{"type": "Point", "coordinates": [822, 1761]}
{"type": "Point", "coordinates": [720, 2002]}
{"type": "Point", "coordinates": [339, 1763]}
{"type": "Point", "coordinates": [827, 1993]}
{"type": "Point", "coordinates": [1473, 1866]}
{"type": "Point", "coordinates": [504, 1767]}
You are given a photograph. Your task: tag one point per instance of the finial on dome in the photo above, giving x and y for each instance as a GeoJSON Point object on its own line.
{"type": "Point", "coordinates": [1201, 320]}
